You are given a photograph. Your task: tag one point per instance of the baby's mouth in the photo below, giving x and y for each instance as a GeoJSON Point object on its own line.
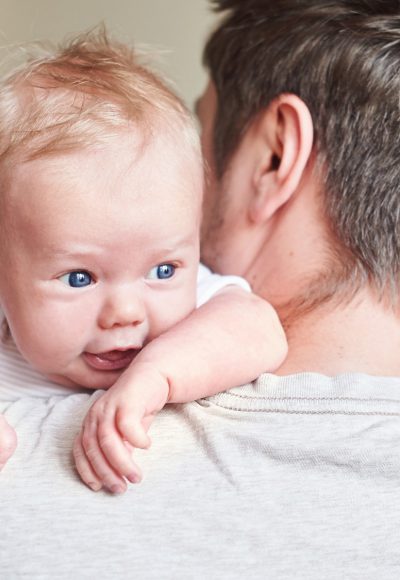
{"type": "Point", "coordinates": [111, 360]}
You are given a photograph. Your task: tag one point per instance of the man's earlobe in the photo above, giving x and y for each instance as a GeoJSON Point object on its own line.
{"type": "Point", "coordinates": [285, 139]}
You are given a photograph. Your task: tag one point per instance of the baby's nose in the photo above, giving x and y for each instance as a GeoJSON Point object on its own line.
{"type": "Point", "coordinates": [123, 308]}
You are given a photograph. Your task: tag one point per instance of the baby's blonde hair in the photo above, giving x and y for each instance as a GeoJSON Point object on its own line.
{"type": "Point", "coordinates": [85, 92]}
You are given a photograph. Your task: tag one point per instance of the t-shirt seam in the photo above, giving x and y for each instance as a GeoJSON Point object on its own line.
{"type": "Point", "coordinates": [312, 399]}
{"type": "Point", "coordinates": [305, 412]}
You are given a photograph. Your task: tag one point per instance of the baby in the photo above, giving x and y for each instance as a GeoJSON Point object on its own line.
{"type": "Point", "coordinates": [100, 286]}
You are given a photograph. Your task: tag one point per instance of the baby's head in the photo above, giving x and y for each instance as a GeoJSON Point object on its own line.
{"type": "Point", "coordinates": [100, 197]}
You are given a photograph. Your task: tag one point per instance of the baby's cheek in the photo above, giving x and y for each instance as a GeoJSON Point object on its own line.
{"type": "Point", "coordinates": [172, 313]}
{"type": "Point", "coordinates": [46, 342]}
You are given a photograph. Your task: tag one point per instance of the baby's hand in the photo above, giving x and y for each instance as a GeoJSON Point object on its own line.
{"type": "Point", "coordinates": [8, 441]}
{"type": "Point", "coordinates": [117, 423]}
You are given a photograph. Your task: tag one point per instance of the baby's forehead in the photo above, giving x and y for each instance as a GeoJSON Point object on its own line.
{"type": "Point", "coordinates": [109, 196]}
{"type": "Point", "coordinates": [158, 167]}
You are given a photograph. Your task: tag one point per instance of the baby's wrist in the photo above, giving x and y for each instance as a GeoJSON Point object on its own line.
{"type": "Point", "coordinates": [149, 377]}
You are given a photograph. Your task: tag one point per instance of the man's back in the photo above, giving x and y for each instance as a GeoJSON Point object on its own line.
{"type": "Point", "coordinates": [292, 477]}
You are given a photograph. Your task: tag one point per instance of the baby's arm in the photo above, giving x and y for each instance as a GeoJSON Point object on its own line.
{"type": "Point", "coordinates": [8, 441]}
{"type": "Point", "coordinates": [228, 341]}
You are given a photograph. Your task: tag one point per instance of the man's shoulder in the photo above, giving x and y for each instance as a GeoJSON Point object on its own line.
{"type": "Point", "coordinates": [313, 391]}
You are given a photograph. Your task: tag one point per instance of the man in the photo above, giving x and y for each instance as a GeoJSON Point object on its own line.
{"type": "Point", "coordinates": [304, 187]}
{"type": "Point", "coordinates": [298, 475]}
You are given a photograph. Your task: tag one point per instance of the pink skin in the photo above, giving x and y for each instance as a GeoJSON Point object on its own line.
{"type": "Point", "coordinates": [115, 214]}
{"type": "Point", "coordinates": [117, 224]}
{"type": "Point", "coordinates": [116, 424]}
{"type": "Point", "coordinates": [8, 439]}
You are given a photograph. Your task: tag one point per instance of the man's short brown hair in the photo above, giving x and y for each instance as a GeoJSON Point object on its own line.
{"type": "Point", "coordinates": [342, 58]}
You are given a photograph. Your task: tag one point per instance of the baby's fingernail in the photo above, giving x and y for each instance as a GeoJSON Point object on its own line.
{"type": "Point", "coordinates": [94, 486]}
{"type": "Point", "coordinates": [134, 477]}
{"type": "Point", "coordinates": [117, 488]}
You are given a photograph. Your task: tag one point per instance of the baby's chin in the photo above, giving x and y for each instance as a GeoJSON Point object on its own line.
{"type": "Point", "coordinates": [92, 381]}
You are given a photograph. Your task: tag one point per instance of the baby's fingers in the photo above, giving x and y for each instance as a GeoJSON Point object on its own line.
{"type": "Point", "coordinates": [96, 459]}
{"type": "Point", "coordinates": [83, 467]}
{"type": "Point", "coordinates": [130, 425]}
{"type": "Point", "coordinates": [8, 441]}
{"type": "Point", "coordinates": [117, 453]}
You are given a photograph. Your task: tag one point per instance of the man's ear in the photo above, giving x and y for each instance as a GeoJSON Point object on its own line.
{"type": "Point", "coordinates": [284, 133]}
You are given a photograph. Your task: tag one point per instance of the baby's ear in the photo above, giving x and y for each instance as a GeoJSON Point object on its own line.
{"type": "Point", "coordinates": [285, 139]}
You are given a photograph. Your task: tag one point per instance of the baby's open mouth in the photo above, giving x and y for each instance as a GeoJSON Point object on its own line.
{"type": "Point", "coordinates": [111, 360]}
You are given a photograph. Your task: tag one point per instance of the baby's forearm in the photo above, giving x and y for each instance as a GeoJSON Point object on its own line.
{"type": "Point", "coordinates": [227, 342]}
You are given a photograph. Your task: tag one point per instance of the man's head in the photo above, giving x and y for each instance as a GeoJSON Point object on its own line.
{"type": "Point", "coordinates": [100, 202]}
{"type": "Point", "coordinates": [339, 59]}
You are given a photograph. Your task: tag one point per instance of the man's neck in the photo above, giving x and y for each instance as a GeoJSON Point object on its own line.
{"type": "Point", "coordinates": [362, 336]}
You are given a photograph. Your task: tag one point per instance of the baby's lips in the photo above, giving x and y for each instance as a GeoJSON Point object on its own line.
{"type": "Point", "coordinates": [115, 355]}
{"type": "Point", "coordinates": [111, 360]}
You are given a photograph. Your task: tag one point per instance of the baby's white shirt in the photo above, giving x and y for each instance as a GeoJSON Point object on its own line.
{"type": "Point", "coordinates": [208, 284]}
{"type": "Point", "coordinates": [18, 379]}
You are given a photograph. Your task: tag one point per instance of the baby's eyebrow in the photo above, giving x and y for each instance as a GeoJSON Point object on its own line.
{"type": "Point", "coordinates": [58, 252]}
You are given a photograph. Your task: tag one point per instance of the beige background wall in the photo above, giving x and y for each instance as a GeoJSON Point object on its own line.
{"type": "Point", "coordinates": [177, 28]}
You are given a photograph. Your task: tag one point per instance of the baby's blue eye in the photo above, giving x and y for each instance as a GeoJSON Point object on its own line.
{"type": "Point", "coordinates": [162, 272]}
{"type": "Point", "coordinates": [78, 279]}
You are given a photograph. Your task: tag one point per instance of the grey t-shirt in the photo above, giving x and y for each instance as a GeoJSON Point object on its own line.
{"type": "Point", "coordinates": [288, 478]}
